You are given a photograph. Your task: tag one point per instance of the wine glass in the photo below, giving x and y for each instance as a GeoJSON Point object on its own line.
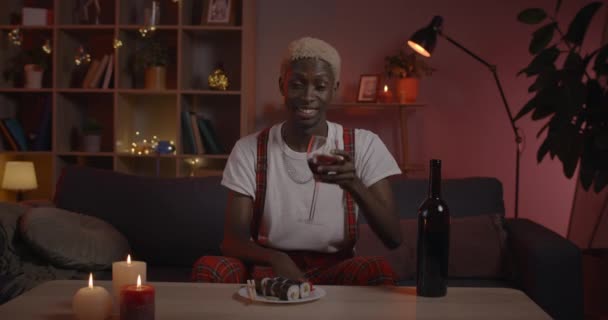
{"type": "Point", "coordinates": [317, 154]}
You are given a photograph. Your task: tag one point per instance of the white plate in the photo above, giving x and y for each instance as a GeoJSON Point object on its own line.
{"type": "Point", "coordinates": [316, 294]}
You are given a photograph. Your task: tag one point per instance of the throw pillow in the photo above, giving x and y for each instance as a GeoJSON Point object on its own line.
{"type": "Point", "coordinates": [72, 240]}
{"type": "Point", "coordinates": [477, 247]}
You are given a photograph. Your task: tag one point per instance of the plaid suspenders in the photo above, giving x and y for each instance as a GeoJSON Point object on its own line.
{"type": "Point", "coordinates": [260, 182]}
{"type": "Point", "coordinates": [261, 176]}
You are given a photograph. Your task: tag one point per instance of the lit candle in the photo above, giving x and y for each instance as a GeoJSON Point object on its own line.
{"type": "Point", "coordinates": [386, 95]}
{"type": "Point", "coordinates": [92, 302]}
{"type": "Point", "coordinates": [137, 302]}
{"type": "Point", "coordinates": [125, 273]}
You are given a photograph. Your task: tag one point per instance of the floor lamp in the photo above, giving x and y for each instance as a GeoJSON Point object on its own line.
{"type": "Point", "coordinates": [423, 42]}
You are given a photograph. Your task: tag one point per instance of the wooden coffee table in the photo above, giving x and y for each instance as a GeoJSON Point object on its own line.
{"type": "Point", "coordinates": [183, 301]}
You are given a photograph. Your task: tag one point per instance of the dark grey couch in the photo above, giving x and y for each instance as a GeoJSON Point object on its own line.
{"type": "Point", "coordinates": [170, 222]}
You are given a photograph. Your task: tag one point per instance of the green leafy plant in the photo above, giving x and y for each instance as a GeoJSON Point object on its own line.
{"type": "Point", "coordinates": [153, 53]}
{"type": "Point", "coordinates": [407, 65]}
{"type": "Point", "coordinates": [91, 127]}
{"type": "Point", "coordinates": [573, 99]}
{"type": "Point", "coordinates": [15, 65]}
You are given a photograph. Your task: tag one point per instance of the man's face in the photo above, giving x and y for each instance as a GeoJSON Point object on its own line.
{"type": "Point", "coordinates": [308, 87]}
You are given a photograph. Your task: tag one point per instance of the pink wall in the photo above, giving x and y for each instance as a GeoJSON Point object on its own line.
{"type": "Point", "coordinates": [464, 123]}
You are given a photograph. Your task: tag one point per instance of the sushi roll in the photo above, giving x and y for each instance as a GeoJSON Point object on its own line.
{"type": "Point", "coordinates": [275, 288]}
{"type": "Point", "coordinates": [305, 289]}
{"type": "Point", "coordinates": [261, 286]}
{"type": "Point", "coordinates": [289, 292]}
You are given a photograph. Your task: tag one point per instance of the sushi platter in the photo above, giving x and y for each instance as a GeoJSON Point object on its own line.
{"type": "Point", "coordinates": [281, 290]}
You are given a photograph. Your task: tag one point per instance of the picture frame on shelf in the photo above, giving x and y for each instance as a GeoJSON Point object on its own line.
{"type": "Point", "coordinates": [218, 12]}
{"type": "Point", "coordinates": [368, 88]}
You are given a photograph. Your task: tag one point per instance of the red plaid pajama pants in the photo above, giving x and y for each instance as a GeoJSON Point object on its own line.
{"type": "Point", "coordinates": [323, 269]}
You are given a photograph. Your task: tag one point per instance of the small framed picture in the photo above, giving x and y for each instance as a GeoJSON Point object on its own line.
{"type": "Point", "coordinates": [368, 88]}
{"type": "Point", "coordinates": [218, 12]}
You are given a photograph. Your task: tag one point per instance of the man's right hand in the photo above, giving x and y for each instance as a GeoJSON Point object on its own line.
{"type": "Point", "coordinates": [283, 266]}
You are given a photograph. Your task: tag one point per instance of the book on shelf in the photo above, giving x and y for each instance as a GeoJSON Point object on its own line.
{"type": "Point", "coordinates": [99, 71]}
{"type": "Point", "coordinates": [88, 78]}
{"type": "Point", "coordinates": [198, 141]}
{"type": "Point", "coordinates": [10, 143]}
{"type": "Point", "coordinates": [187, 134]}
{"type": "Point", "coordinates": [16, 132]}
{"type": "Point", "coordinates": [209, 136]}
{"type": "Point", "coordinates": [109, 71]}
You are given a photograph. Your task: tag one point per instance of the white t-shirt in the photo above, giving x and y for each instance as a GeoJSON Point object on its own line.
{"type": "Point", "coordinates": [289, 188]}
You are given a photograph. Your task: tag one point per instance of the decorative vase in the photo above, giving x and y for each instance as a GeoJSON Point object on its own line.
{"type": "Point", "coordinates": [33, 76]}
{"type": "Point", "coordinates": [155, 78]}
{"type": "Point", "coordinates": [407, 89]}
{"type": "Point", "coordinates": [91, 143]}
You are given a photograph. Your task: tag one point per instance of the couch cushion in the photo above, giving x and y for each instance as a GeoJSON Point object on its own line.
{"type": "Point", "coordinates": [168, 221]}
{"type": "Point", "coordinates": [477, 247]}
{"type": "Point", "coordinates": [465, 197]}
{"type": "Point", "coordinates": [71, 240]}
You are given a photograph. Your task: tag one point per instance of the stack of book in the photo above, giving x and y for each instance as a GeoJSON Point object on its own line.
{"type": "Point", "coordinates": [97, 75]}
{"type": "Point", "coordinates": [198, 135]}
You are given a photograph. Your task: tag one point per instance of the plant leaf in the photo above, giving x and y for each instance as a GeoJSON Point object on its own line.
{"type": "Point", "coordinates": [580, 23]}
{"type": "Point", "coordinates": [545, 59]}
{"type": "Point", "coordinates": [601, 180]}
{"type": "Point", "coordinates": [543, 150]}
{"type": "Point", "coordinates": [545, 79]}
{"type": "Point", "coordinates": [570, 149]}
{"type": "Point", "coordinates": [542, 37]}
{"type": "Point", "coordinates": [601, 58]}
{"type": "Point", "coordinates": [543, 129]}
{"type": "Point", "coordinates": [532, 16]}
{"type": "Point", "coordinates": [529, 106]}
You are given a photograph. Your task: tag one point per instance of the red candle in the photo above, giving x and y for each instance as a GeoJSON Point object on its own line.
{"type": "Point", "coordinates": [386, 95]}
{"type": "Point", "coordinates": [137, 302]}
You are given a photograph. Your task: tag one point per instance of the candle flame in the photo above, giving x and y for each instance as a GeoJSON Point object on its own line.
{"type": "Point", "coordinates": [128, 259]}
{"type": "Point", "coordinates": [90, 280]}
{"type": "Point", "coordinates": [385, 88]}
{"type": "Point", "coordinates": [138, 281]}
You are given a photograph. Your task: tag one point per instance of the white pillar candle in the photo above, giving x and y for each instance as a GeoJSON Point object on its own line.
{"type": "Point", "coordinates": [125, 273]}
{"type": "Point", "coordinates": [92, 302]}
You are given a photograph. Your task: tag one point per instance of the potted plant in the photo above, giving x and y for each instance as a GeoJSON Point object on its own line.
{"type": "Point", "coordinates": [153, 58]}
{"type": "Point", "coordinates": [91, 135]}
{"type": "Point", "coordinates": [572, 96]}
{"type": "Point", "coordinates": [27, 68]}
{"type": "Point", "coordinates": [407, 68]}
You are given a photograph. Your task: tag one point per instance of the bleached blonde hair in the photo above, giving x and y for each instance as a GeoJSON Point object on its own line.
{"type": "Point", "coordinates": [308, 47]}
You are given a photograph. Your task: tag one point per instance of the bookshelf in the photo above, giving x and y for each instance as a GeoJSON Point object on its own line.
{"type": "Point", "coordinates": [125, 107]}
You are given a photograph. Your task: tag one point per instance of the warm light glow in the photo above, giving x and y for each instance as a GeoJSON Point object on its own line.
{"type": "Point", "coordinates": [15, 37]}
{"type": "Point", "coordinates": [128, 259]}
{"type": "Point", "coordinates": [419, 49]}
{"type": "Point", "coordinates": [90, 280]}
{"type": "Point", "coordinates": [117, 43]}
{"type": "Point", "coordinates": [19, 176]}
{"type": "Point", "coordinates": [46, 47]}
{"type": "Point", "coordinates": [385, 88]}
{"type": "Point", "coordinates": [138, 282]}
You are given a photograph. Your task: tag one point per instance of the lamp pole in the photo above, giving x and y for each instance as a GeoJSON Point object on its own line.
{"type": "Point", "coordinates": [518, 138]}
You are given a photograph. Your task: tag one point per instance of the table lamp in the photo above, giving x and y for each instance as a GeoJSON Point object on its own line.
{"type": "Point", "coordinates": [423, 42]}
{"type": "Point", "coordinates": [19, 176]}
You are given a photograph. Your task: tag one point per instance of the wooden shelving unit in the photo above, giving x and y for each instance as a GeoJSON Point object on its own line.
{"type": "Point", "coordinates": [126, 106]}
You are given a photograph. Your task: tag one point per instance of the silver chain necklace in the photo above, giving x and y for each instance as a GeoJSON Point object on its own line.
{"type": "Point", "coordinates": [297, 171]}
